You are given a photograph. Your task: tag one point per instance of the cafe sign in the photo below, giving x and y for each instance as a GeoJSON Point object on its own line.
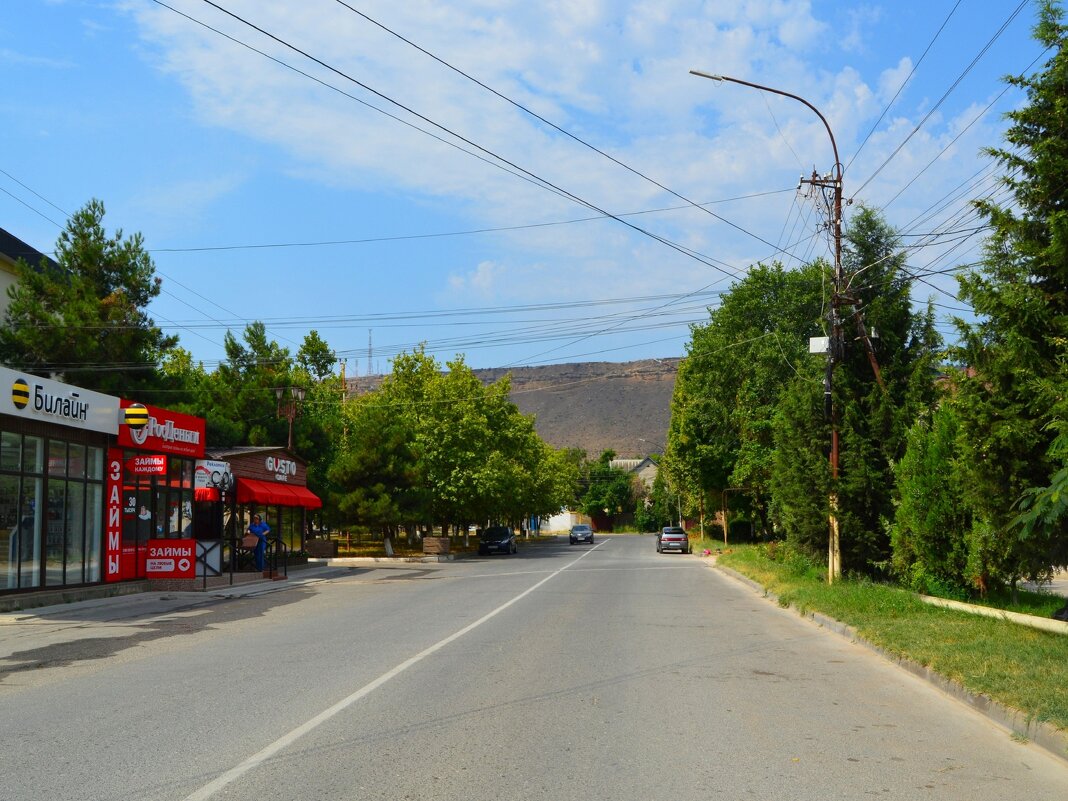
{"type": "Point", "coordinates": [280, 468]}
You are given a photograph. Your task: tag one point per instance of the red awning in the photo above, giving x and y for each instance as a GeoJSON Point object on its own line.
{"type": "Point", "coordinates": [206, 494]}
{"type": "Point", "coordinates": [269, 493]}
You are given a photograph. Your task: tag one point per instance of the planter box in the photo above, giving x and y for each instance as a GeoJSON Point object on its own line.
{"type": "Point", "coordinates": [435, 545]}
{"type": "Point", "coordinates": [321, 549]}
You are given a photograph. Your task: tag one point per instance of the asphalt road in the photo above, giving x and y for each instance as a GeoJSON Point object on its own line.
{"type": "Point", "coordinates": [566, 672]}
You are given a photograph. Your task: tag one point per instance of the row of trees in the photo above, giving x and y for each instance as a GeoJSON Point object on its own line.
{"type": "Point", "coordinates": [439, 447]}
{"type": "Point", "coordinates": [952, 475]}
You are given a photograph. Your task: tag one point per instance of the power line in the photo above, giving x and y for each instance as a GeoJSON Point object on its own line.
{"type": "Point", "coordinates": [941, 100]}
{"type": "Point", "coordinates": [551, 124]}
{"type": "Point", "coordinates": [901, 88]}
{"type": "Point", "coordinates": [442, 234]}
{"type": "Point", "coordinates": [708, 261]}
{"type": "Point", "coordinates": [545, 183]}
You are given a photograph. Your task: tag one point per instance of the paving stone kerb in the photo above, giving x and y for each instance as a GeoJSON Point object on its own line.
{"type": "Point", "coordinates": [1043, 734]}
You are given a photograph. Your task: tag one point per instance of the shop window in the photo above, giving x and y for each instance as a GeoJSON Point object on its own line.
{"type": "Point", "coordinates": [290, 532]}
{"type": "Point", "coordinates": [95, 463]}
{"type": "Point", "coordinates": [32, 455]}
{"type": "Point", "coordinates": [10, 451]}
{"type": "Point", "coordinates": [94, 530]}
{"type": "Point", "coordinates": [57, 457]}
{"type": "Point", "coordinates": [74, 545]}
{"type": "Point", "coordinates": [31, 523]}
{"type": "Point", "coordinates": [76, 461]}
{"type": "Point", "coordinates": [51, 516]}
{"type": "Point", "coordinates": [10, 533]}
{"type": "Point", "coordinates": [55, 531]}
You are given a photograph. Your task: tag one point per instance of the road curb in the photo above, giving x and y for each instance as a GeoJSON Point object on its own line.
{"type": "Point", "coordinates": [1044, 735]}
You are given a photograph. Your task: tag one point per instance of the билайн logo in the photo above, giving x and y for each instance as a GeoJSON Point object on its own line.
{"type": "Point", "coordinates": [20, 393]}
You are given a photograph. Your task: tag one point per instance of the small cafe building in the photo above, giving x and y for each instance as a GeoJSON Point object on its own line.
{"type": "Point", "coordinates": [271, 482]}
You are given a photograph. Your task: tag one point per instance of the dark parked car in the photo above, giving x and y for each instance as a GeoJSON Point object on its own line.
{"type": "Point", "coordinates": [497, 538]}
{"type": "Point", "coordinates": [672, 538]}
{"type": "Point", "coordinates": [580, 533]}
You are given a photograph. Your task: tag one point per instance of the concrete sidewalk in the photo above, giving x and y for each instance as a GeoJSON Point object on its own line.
{"type": "Point", "coordinates": [1059, 585]}
{"type": "Point", "coordinates": [133, 599]}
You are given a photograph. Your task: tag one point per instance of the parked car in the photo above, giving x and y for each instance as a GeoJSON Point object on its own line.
{"type": "Point", "coordinates": [580, 532]}
{"type": "Point", "coordinates": [497, 538]}
{"type": "Point", "coordinates": [672, 538]}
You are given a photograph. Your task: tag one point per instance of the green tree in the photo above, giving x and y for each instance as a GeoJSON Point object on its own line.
{"type": "Point", "coordinates": [875, 418]}
{"type": "Point", "coordinates": [930, 549]}
{"type": "Point", "coordinates": [729, 386]}
{"type": "Point", "coordinates": [84, 318]}
{"type": "Point", "coordinates": [376, 471]}
{"type": "Point", "coordinates": [441, 447]}
{"type": "Point", "coordinates": [800, 479]}
{"type": "Point", "coordinates": [1010, 401]}
{"type": "Point", "coordinates": [315, 356]}
{"type": "Point", "coordinates": [655, 509]}
{"type": "Point", "coordinates": [241, 407]}
{"type": "Point", "coordinates": [608, 490]}
{"type": "Point", "coordinates": [872, 418]}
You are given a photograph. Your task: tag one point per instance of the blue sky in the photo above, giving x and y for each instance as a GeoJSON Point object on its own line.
{"type": "Point", "coordinates": [237, 169]}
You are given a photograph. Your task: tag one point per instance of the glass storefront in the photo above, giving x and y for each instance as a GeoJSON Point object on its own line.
{"type": "Point", "coordinates": [286, 523]}
{"type": "Point", "coordinates": [51, 511]}
{"type": "Point", "coordinates": [156, 506]}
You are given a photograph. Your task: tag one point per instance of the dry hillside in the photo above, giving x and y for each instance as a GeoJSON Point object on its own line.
{"type": "Point", "coordinates": [624, 406]}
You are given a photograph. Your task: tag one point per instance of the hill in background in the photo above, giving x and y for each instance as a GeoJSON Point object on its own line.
{"type": "Point", "coordinates": [622, 406]}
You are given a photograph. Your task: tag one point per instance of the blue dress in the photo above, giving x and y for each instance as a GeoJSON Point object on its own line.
{"type": "Point", "coordinates": [260, 530]}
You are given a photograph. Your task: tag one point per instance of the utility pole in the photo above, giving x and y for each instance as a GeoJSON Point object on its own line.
{"type": "Point", "coordinates": [832, 184]}
{"type": "Point", "coordinates": [344, 396]}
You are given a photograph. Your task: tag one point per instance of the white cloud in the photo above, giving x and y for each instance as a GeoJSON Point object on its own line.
{"type": "Point", "coordinates": [171, 207]}
{"type": "Point", "coordinates": [9, 56]}
{"type": "Point", "coordinates": [616, 76]}
{"type": "Point", "coordinates": [891, 80]}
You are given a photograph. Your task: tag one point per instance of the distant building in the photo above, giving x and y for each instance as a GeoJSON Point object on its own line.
{"type": "Point", "coordinates": [644, 470]}
{"type": "Point", "coordinates": [11, 250]}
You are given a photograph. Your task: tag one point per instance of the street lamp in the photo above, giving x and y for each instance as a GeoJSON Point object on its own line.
{"type": "Point", "coordinates": [289, 407]}
{"type": "Point", "coordinates": [833, 183]}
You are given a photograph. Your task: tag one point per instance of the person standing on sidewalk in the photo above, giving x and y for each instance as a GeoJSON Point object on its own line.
{"type": "Point", "coordinates": [260, 530]}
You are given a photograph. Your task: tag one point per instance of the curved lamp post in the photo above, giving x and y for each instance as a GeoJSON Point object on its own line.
{"type": "Point", "coordinates": [289, 407]}
{"type": "Point", "coordinates": [832, 182]}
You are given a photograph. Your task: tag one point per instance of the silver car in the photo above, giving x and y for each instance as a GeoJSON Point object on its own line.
{"type": "Point", "coordinates": [580, 533]}
{"type": "Point", "coordinates": [672, 538]}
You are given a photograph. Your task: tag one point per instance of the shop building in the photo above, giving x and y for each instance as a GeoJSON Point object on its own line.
{"type": "Point", "coordinates": [150, 498]}
{"type": "Point", "coordinates": [54, 439]}
{"type": "Point", "coordinates": [271, 482]}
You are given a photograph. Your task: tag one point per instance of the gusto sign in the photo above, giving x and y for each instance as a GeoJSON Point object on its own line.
{"type": "Point", "coordinates": [280, 468]}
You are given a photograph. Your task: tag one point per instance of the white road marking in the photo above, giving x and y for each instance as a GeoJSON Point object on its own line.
{"type": "Point", "coordinates": [261, 756]}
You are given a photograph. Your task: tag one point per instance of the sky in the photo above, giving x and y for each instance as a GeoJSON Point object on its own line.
{"type": "Point", "coordinates": [520, 183]}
